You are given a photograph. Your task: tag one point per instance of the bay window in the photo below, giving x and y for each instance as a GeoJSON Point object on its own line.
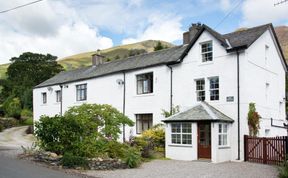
{"type": "Point", "coordinates": [181, 133]}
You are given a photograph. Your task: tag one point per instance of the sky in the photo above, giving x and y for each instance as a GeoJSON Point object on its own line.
{"type": "Point", "coordinates": [67, 27]}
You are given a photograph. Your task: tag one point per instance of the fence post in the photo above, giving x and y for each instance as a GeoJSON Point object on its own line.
{"type": "Point", "coordinates": [245, 147]}
{"type": "Point", "coordinates": [265, 150]}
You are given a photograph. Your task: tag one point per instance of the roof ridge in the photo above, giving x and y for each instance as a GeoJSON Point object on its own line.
{"type": "Point", "coordinates": [250, 28]}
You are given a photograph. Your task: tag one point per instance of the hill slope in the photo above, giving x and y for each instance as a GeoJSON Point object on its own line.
{"type": "Point", "coordinates": [114, 53]}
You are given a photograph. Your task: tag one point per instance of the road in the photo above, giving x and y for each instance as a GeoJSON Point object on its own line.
{"type": "Point", "coordinates": [11, 141]}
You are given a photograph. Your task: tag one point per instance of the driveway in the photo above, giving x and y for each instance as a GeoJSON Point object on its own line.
{"type": "Point", "coordinates": [197, 169]}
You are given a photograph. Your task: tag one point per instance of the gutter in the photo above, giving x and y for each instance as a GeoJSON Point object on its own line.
{"type": "Point", "coordinates": [171, 88]}
{"type": "Point", "coordinates": [61, 99]}
{"type": "Point", "coordinates": [238, 104]}
{"type": "Point", "coordinates": [124, 102]}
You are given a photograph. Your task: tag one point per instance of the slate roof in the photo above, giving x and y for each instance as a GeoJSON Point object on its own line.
{"type": "Point", "coordinates": [201, 112]}
{"type": "Point", "coordinates": [168, 56]}
{"type": "Point", "coordinates": [165, 56]}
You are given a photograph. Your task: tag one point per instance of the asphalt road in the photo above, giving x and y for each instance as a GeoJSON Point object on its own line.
{"type": "Point", "coordinates": [13, 168]}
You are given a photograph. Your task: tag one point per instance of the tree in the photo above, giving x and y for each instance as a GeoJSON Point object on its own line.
{"type": "Point", "coordinates": [174, 110]}
{"type": "Point", "coordinates": [159, 46]}
{"type": "Point", "coordinates": [253, 120]}
{"type": "Point", "coordinates": [27, 71]}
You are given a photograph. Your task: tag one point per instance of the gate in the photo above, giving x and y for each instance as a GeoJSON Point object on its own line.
{"type": "Point", "coordinates": [266, 150]}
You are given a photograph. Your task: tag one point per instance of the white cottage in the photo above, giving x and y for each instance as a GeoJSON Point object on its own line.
{"type": "Point", "coordinates": [212, 78]}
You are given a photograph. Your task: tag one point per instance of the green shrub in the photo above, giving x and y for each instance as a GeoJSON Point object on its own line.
{"type": "Point", "coordinates": [283, 170]}
{"type": "Point", "coordinates": [87, 130]}
{"type": "Point", "coordinates": [72, 161]}
{"type": "Point", "coordinates": [28, 121]}
{"type": "Point", "coordinates": [12, 107]}
{"type": "Point", "coordinates": [132, 157]}
{"type": "Point", "coordinates": [1, 127]}
{"type": "Point", "coordinates": [9, 122]}
{"type": "Point", "coordinates": [26, 114]}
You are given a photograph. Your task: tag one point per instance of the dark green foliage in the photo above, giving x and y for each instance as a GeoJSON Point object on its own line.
{"type": "Point", "coordinates": [253, 120]}
{"type": "Point", "coordinates": [132, 157]}
{"type": "Point", "coordinates": [87, 130]}
{"type": "Point", "coordinates": [8, 123]}
{"type": "Point", "coordinates": [134, 52]}
{"type": "Point", "coordinates": [25, 72]}
{"type": "Point", "coordinates": [283, 170]}
{"type": "Point", "coordinates": [159, 46]}
{"type": "Point", "coordinates": [72, 161]}
{"type": "Point", "coordinates": [1, 127]}
{"type": "Point", "coordinates": [12, 107]}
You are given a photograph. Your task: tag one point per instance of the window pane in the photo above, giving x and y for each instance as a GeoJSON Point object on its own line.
{"type": "Point", "coordinates": [220, 128]}
{"type": "Point", "coordinates": [186, 128]}
{"type": "Point", "coordinates": [143, 122]}
{"type": "Point", "coordinates": [176, 138]}
{"type": "Point", "coordinates": [220, 140]}
{"type": "Point", "coordinates": [144, 83]}
{"type": "Point", "coordinates": [225, 126]}
{"type": "Point", "coordinates": [176, 128]}
{"type": "Point", "coordinates": [186, 139]}
{"type": "Point", "coordinates": [200, 89]}
{"type": "Point", "coordinates": [225, 139]}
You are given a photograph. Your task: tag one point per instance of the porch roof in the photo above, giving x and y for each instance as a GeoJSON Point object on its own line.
{"type": "Point", "coordinates": [201, 112]}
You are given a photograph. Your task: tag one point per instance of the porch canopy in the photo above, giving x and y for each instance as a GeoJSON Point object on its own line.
{"type": "Point", "coordinates": [201, 112]}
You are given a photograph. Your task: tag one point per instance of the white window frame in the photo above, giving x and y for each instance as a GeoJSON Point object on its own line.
{"type": "Point", "coordinates": [147, 84]}
{"type": "Point", "coordinates": [213, 89]}
{"type": "Point", "coordinates": [198, 91]}
{"type": "Point", "coordinates": [44, 97]}
{"type": "Point", "coordinates": [58, 96]}
{"type": "Point", "coordinates": [203, 54]}
{"type": "Point", "coordinates": [179, 133]}
{"type": "Point", "coordinates": [139, 119]}
{"type": "Point", "coordinates": [222, 135]}
{"type": "Point", "coordinates": [81, 92]}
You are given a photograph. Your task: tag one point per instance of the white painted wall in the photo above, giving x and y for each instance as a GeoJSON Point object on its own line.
{"type": "Point", "coordinates": [254, 74]}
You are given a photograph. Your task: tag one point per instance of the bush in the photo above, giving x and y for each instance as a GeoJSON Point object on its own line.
{"type": "Point", "coordinates": [72, 161]}
{"type": "Point", "coordinates": [283, 170]}
{"type": "Point", "coordinates": [9, 122]}
{"type": "Point", "coordinates": [12, 107]}
{"type": "Point", "coordinates": [86, 132]}
{"type": "Point", "coordinates": [150, 141]}
{"type": "Point", "coordinates": [132, 157]}
{"type": "Point", "coordinates": [26, 114]}
{"type": "Point", "coordinates": [1, 127]}
{"type": "Point", "coordinates": [28, 121]}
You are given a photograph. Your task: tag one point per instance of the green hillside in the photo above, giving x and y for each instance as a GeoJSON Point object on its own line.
{"type": "Point", "coordinates": [114, 53]}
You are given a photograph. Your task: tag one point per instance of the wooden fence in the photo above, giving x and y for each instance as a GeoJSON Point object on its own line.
{"type": "Point", "coordinates": [265, 150]}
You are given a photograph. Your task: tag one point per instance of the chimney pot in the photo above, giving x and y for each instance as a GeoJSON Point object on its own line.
{"type": "Point", "coordinates": [97, 59]}
{"type": "Point", "coordinates": [189, 35]}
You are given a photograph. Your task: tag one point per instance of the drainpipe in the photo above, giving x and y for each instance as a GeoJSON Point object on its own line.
{"type": "Point", "coordinates": [238, 103]}
{"type": "Point", "coordinates": [124, 100]}
{"type": "Point", "coordinates": [61, 99]}
{"type": "Point", "coordinates": [171, 89]}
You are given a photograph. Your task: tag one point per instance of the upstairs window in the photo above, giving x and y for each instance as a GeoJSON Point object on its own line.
{"type": "Point", "coordinates": [207, 51]}
{"type": "Point", "coordinates": [222, 137]}
{"type": "Point", "coordinates": [144, 83]}
{"type": "Point", "coordinates": [181, 133]}
{"type": "Point", "coordinates": [81, 92]}
{"type": "Point", "coordinates": [143, 122]}
{"type": "Point", "coordinates": [214, 88]}
{"type": "Point", "coordinates": [44, 98]}
{"type": "Point", "coordinates": [200, 89]}
{"type": "Point", "coordinates": [58, 96]}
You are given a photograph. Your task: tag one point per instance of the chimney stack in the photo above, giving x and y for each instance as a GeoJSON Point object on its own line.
{"type": "Point", "coordinates": [189, 35]}
{"type": "Point", "coordinates": [97, 59]}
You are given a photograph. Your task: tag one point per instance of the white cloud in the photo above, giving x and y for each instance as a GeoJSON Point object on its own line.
{"type": "Point", "coordinates": [263, 11]}
{"type": "Point", "coordinates": [165, 28]}
{"type": "Point", "coordinates": [46, 27]}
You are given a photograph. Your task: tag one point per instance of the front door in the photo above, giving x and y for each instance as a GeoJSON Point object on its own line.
{"type": "Point", "coordinates": [204, 140]}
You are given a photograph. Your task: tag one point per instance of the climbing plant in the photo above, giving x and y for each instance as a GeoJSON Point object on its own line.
{"type": "Point", "coordinates": [253, 120]}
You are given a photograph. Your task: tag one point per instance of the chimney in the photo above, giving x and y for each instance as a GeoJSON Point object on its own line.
{"type": "Point", "coordinates": [97, 59]}
{"type": "Point", "coordinates": [189, 35]}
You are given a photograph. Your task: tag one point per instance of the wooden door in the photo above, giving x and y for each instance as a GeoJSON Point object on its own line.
{"type": "Point", "coordinates": [204, 140]}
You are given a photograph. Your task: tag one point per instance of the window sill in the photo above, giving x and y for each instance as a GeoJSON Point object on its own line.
{"type": "Point", "coordinates": [44, 104]}
{"type": "Point", "coordinates": [143, 95]}
{"type": "Point", "coordinates": [81, 101]}
{"type": "Point", "coordinates": [180, 145]}
{"type": "Point", "coordinates": [224, 147]}
{"type": "Point", "coordinates": [205, 63]}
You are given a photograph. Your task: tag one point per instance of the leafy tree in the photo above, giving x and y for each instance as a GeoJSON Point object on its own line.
{"type": "Point", "coordinates": [175, 110]}
{"type": "Point", "coordinates": [253, 120]}
{"type": "Point", "coordinates": [159, 46]}
{"type": "Point", "coordinates": [25, 72]}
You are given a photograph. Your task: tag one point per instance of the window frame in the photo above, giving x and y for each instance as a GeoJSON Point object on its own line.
{"type": "Point", "coordinates": [79, 96]}
{"type": "Point", "coordinates": [213, 96]}
{"type": "Point", "coordinates": [199, 91]}
{"type": "Point", "coordinates": [58, 96]}
{"type": "Point", "coordinates": [141, 120]}
{"type": "Point", "coordinates": [44, 97]}
{"type": "Point", "coordinates": [222, 135]}
{"type": "Point", "coordinates": [203, 57]}
{"type": "Point", "coordinates": [150, 83]}
{"type": "Point", "coordinates": [180, 134]}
